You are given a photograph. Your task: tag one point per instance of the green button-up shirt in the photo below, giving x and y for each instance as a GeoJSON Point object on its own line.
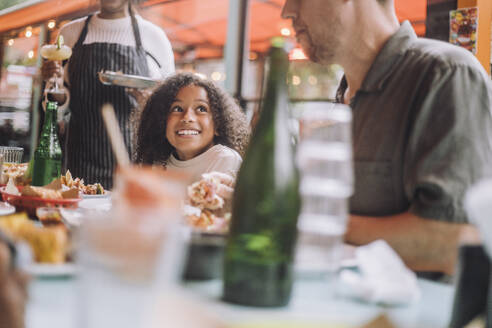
{"type": "Point", "coordinates": [422, 129]}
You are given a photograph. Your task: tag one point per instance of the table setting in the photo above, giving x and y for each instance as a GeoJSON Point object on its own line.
{"type": "Point", "coordinates": [157, 251]}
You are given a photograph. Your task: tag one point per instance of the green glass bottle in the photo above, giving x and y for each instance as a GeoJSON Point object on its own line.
{"type": "Point", "coordinates": [48, 154]}
{"type": "Point", "coordinates": [260, 247]}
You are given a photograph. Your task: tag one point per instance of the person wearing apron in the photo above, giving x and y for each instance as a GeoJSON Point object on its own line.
{"type": "Point", "coordinates": [106, 42]}
{"type": "Point", "coordinates": [89, 150]}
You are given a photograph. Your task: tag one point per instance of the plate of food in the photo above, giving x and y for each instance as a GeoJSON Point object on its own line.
{"type": "Point", "coordinates": [106, 194]}
{"type": "Point", "coordinates": [206, 212]}
{"type": "Point", "coordinates": [16, 172]}
{"type": "Point", "coordinates": [29, 198]}
{"type": "Point", "coordinates": [95, 190]}
{"type": "Point", "coordinates": [126, 80]}
{"type": "Point", "coordinates": [50, 245]}
{"type": "Point", "coordinates": [6, 209]}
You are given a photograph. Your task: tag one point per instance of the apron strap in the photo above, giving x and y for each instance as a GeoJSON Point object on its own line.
{"type": "Point", "coordinates": [156, 61]}
{"type": "Point", "coordinates": [83, 34]}
{"type": "Point", "coordinates": [136, 31]}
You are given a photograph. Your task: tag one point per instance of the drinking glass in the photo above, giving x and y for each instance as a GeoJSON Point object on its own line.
{"type": "Point", "coordinates": [324, 156]}
{"type": "Point", "coordinates": [11, 154]}
{"type": "Point", "coordinates": [129, 258]}
{"type": "Point", "coordinates": [55, 52]}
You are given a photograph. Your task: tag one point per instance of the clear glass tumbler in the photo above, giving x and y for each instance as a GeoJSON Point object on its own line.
{"type": "Point", "coordinates": [11, 154]}
{"type": "Point", "coordinates": [324, 157]}
{"type": "Point", "coordinates": [130, 256]}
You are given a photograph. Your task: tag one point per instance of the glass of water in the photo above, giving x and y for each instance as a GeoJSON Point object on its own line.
{"type": "Point", "coordinates": [132, 255]}
{"type": "Point", "coordinates": [324, 157]}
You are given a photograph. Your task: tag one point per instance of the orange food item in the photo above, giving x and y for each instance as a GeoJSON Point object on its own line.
{"type": "Point", "coordinates": [49, 244]}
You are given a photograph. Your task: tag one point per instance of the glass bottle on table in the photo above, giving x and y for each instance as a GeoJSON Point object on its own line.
{"type": "Point", "coordinates": [48, 154]}
{"type": "Point", "coordinates": [258, 268]}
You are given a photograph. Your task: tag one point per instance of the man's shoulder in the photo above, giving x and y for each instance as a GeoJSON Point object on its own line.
{"type": "Point", "coordinates": [443, 54]}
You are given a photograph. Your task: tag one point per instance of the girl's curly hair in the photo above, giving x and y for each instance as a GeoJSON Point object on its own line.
{"type": "Point", "coordinates": [152, 145]}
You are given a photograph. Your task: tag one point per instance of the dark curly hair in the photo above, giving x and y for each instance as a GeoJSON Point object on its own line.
{"type": "Point", "coordinates": [152, 145]}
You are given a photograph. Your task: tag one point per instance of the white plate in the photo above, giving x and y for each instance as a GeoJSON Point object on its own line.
{"type": "Point", "coordinates": [6, 208]}
{"type": "Point", "coordinates": [106, 194]}
{"type": "Point", "coordinates": [46, 270]}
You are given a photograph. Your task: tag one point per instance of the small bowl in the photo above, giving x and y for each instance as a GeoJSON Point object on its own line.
{"type": "Point", "coordinates": [205, 256]}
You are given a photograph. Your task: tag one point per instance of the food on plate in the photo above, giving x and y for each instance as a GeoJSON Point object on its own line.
{"type": "Point", "coordinates": [41, 192]}
{"type": "Point", "coordinates": [205, 208]}
{"type": "Point", "coordinates": [206, 220]}
{"type": "Point", "coordinates": [94, 189]}
{"type": "Point", "coordinates": [49, 215]}
{"type": "Point", "coordinates": [16, 172]}
{"type": "Point", "coordinates": [90, 189]}
{"type": "Point", "coordinates": [49, 193]}
{"type": "Point", "coordinates": [53, 190]}
{"type": "Point", "coordinates": [49, 244]}
{"type": "Point", "coordinates": [10, 188]}
{"type": "Point", "coordinates": [203, 194]}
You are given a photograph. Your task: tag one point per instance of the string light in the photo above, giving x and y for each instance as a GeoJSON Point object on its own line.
{"type": "Point", "coordinates": [216, 76]}
{"type": "Point", "coordinates": [297, 54]}
{"type": "Point", "coordinates": [285, 31]}
{"type": "Point", "coordinates": [28, 32]}
{"type": "Point", "coordinates": [30, 54]}
{"type": "Point", "coordinates": [10, 42]}
{"type": "Point", "coordinates": [313, 80]}
{"type": "Point", "coordinates": [253, 55]}
{"type": "Point", "coordinates": [51, 24]}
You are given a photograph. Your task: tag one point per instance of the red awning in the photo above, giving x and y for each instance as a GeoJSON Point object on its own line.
{"type": "Point", "coordinates": [194, 24]}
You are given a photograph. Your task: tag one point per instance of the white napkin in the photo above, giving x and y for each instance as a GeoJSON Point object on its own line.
{"type": "Point", "coordinates": [383, 278]}
{"type": "Point", "coordinates": [478, 205]}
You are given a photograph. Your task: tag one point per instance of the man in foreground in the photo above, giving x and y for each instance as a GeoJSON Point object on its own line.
{"type": "Point", "coordinates": [422, 127]}
{"type": "Point", "coordinates": [13, 289]}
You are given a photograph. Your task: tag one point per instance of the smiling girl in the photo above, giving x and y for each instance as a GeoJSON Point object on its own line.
{"type": "Point", "coordinates": [189, 124]}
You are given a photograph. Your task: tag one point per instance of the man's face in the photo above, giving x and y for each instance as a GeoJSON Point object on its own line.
{"type": "Point", "coordinates": [318, 27]}
{"type": "Point", "coordinates": [113, 6]}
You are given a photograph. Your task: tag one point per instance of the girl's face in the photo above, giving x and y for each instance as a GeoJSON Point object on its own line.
{"type": "Point", "coordinates": [190, 126]}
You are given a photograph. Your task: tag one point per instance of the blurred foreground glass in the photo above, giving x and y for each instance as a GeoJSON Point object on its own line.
{"type": "Point", "coordinates": [11, 154]}
{"type": "Point", "coordinates": [130, 257]}
{"type": "Point", "coordinates": [324, 157]}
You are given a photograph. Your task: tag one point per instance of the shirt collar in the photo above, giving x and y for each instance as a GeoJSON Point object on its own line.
{"type": "Point", "coordinates": [387, 59]}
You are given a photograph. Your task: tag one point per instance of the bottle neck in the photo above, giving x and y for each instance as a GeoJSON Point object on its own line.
{"type": "Point", "coordinates": [48, 142]}
{"type": "Point", "coordinates": [275, 102]}
{"type": "Point", "coordinates": [49, 125]}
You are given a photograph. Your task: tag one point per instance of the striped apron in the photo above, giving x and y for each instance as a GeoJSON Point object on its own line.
{"type": "Point", "coordinates": [89, 153]}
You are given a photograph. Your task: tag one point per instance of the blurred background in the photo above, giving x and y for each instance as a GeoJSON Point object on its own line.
{"type": "Point", "coordinates": [200, 33]}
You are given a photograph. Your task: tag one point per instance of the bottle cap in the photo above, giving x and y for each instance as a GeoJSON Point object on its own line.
{"type": "Point", "coordinates": [283, 43]}
{"type": "Point", "coordinates": [278, 42]}
{"type": "Point", "coordinates": [52, 105]}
